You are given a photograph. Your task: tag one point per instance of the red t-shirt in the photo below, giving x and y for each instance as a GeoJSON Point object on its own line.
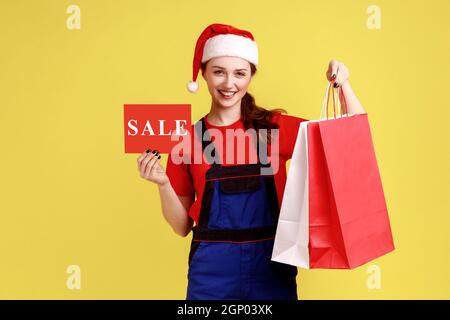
{"type": "Point", "coordinates": [189, 179]}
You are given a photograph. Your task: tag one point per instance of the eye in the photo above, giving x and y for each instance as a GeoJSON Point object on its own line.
{"type": "Point", "coordinates": [217, 72]}
{"type": "Point", "coordinates": [241, 74]}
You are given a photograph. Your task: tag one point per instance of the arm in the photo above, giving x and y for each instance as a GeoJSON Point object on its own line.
{"type": "Point", "coordinates": [175, 209]}
{"type": "Point", "coordinates": [339, 73]}
{"type": "Point", "coordinates": [353, 104]}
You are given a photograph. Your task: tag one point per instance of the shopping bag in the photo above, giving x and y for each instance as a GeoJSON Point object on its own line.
{"type": "Point", "coordinates": [325, 237]}
{"type": "Point", "coordinates": [292, 235]}
{"type": "Point", "coordinates": [359, 214]}
{"type": "Point", "coordinates": [340, 215]}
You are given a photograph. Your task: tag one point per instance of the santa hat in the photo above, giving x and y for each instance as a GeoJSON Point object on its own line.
{"type": "Point", "coordinates": [219, 40]}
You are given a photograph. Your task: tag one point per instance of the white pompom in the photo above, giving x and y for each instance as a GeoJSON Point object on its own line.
{"type": "Point", "coordinates": [192, 86]}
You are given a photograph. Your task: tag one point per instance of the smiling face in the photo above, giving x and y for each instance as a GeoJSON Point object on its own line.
{"type": "Point", "coordinates": [228, 79]}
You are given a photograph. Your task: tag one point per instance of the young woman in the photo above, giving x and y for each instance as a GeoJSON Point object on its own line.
{"type": "Point", "coordinates": [235, 208]}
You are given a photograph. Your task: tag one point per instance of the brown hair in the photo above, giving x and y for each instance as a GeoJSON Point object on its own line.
{"type": "Point", "coordinates": [255, 116]}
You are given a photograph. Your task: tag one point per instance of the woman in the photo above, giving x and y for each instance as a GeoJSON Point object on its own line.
{"type": "Point", "coordinates": [235, 208]}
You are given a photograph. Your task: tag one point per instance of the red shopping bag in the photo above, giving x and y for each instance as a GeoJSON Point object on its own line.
{"type": "Point", "coordinates": [349, 223]}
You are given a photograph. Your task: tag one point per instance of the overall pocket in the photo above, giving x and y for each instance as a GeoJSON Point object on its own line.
{"type": "Point", "coordinates": [240, 185]}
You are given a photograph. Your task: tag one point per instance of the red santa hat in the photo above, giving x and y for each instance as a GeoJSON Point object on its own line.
{"type": "Point", "coordinates": [219, 40]}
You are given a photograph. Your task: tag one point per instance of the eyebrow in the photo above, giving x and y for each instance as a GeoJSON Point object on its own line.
{"type": "Point", "coordinates": [245, 69]}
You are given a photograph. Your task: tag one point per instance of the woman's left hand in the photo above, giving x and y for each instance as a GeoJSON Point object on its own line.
{"type": "Point", "coordinates": [338, 72]}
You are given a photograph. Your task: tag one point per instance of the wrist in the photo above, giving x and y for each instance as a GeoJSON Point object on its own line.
{"type": "Point", "coordinates": [164, 185]}
{"type": "Point", "coordinates": [346, 84]}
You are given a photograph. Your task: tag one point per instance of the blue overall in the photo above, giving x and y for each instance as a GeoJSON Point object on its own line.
{"type": "Point", "coordinates": [231, 248]}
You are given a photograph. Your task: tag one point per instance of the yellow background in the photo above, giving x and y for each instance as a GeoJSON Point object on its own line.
{"type": "Point", "coordinates": [70, 196]}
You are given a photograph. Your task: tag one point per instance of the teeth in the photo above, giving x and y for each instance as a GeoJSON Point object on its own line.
{"type": "Point", "coordinates": [227, 93]}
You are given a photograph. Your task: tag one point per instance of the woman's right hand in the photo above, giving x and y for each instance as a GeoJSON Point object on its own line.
{"type": "Point", "coordinates": [150, 167]}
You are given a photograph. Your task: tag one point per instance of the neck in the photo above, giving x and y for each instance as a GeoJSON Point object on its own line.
{"type": "Point", "coordinates": [223, 116]}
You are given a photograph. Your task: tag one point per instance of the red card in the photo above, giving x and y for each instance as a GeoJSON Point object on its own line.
{"type": "Point", "coordinates": [152, 125]}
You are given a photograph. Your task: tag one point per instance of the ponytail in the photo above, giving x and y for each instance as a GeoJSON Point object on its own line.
{"type": "Point", "coordinates": [258, 117]}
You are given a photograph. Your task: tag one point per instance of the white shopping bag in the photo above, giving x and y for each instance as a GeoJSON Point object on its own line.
{"type": "Point", "coordinates": [292, 236]}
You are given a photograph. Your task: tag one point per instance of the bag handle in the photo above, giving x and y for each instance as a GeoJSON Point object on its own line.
{"type": "Point", "coordinates": [340, 101]}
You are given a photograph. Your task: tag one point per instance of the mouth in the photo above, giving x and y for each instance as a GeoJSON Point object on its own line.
{"type": "Point", "coordinates": [227, 94]}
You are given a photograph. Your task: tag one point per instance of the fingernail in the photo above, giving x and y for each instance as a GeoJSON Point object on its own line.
{"type": "Point", "coordinates": [159, 157]}
{"type": "Point", "coordinates": [157, 153]}
{"type": "Point", "coordinates": [335, 84]}
{"type": "Point", "coordinates": [148, 150]}
{"type": "Point", "coordinates": [154, 151]}
{"type": "Point", "coordinates": [333, 77]}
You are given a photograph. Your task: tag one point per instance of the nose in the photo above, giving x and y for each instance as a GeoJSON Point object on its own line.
{"type": "Point", "coordinates": [228, 82]}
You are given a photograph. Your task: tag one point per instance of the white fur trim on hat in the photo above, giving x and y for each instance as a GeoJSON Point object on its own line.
{"type": "Point", "coordinates": [231, 45]}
